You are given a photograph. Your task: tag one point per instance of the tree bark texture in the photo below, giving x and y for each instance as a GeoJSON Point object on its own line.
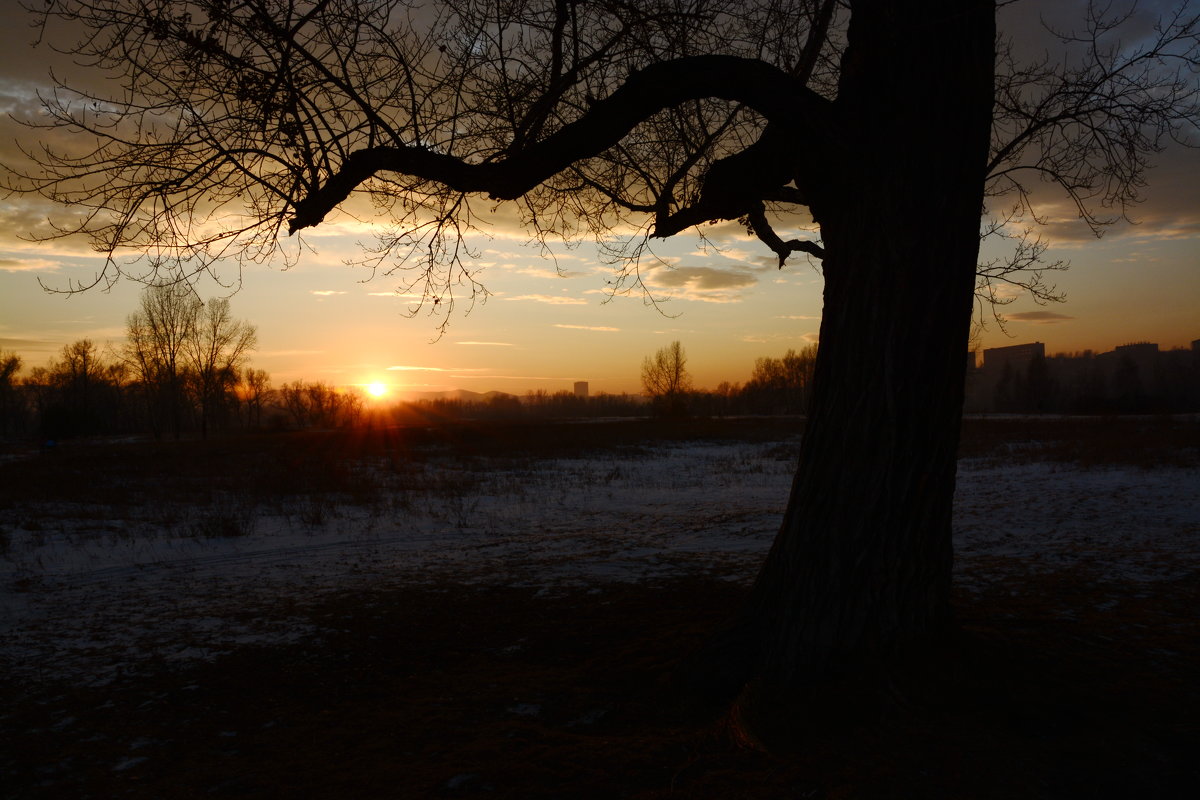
{"type": "Point", "coordinates": [862, 562]}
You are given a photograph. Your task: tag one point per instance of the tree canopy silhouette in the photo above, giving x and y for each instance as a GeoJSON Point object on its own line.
{"type": "Point", "coordinates": [889, 123]}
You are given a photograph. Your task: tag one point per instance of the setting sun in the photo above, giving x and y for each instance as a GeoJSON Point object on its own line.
{"type": "Point", "coordinates": [377, 389]}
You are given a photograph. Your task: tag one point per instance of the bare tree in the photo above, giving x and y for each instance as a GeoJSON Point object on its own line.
{"type": "Point", "coordinates": [783, 384]}
{"type": "Point", "coordinates": [318, 404]}
{"type": "Point", "coordinates": [11, 405]}
{"type": "Point", "coordinates": [215, 350]}
{"type": "Point", "coordinates": [666, 380]}
{"type": "Point", "coordinates": [78, 376]}
{"type": "Point", "coordinates": [156, 338]}
{"type": "Point", "coordinates": [238, 121]}
{"type": "Point", "coordinates": [256, 393]}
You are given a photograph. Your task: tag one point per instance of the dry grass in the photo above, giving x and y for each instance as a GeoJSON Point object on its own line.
{"type": "Point", "coordinates": [1146, 442]}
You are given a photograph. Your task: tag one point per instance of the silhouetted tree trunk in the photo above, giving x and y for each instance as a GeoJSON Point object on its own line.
{"type": "Point", "coordinates": [862, 563]}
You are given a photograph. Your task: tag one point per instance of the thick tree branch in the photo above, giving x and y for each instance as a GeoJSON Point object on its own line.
{"type": "Point", "coordinates": [737, 185]}
{"type": "Point", "coordinates": [804, 115]}
{"type": "Point", "coordinates": [766, 234]}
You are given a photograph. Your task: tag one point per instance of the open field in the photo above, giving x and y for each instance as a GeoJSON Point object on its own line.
{"type": "Point", "coordinates": [498, 610]}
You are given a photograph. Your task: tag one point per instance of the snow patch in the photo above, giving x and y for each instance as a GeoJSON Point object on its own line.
{"type": "Point", "coordinates": [89, 595]}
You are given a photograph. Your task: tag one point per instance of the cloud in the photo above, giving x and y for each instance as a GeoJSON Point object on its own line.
{"type": "Point", "coordinates": [1170, 210]}
{"type": "Point", "coordinates": [586, 327]}
{"type": "Point", "coordinates": [502, 377]}
{"type": "Point", "coordinates": [40, 345]}
{"type": "Point", "coordinates": [1161, 228]}
{"type": "Point", "coordinates": [282, 353]}
{"type": "Point", "coordinates": [488, 344]}
{"type": "Point", "coordinates": [547, 271]}
{"type": "Point", "coordinates": [799, 316]}
{"type": "Point", "coordinates": [408, 368]}
{"type": "Point", "coordinates": [735, 253]}
{"type": "Point", "coordinates": [808, 338]}
{"type": "Point", "coordinates": [706, 284]}
{"type": "Point", "coordinates": [552, 299]}
{"type": "Point", "coordinates": [725, 231]}
{"type": "Point", "coordinates": [536, 263]}
{"type": "Point", "coordinates": [399, 295]}
{"type": "Point", "coordinates": [324, 292]}
{"type": "Point", "coordinates": [703, 278]}
{"type": "Point", "coordinates": [1039, 317]}
{"type": "Point", "coordinates": [28, 265]}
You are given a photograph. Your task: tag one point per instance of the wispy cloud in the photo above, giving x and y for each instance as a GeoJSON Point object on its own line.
{"type": "Point", "coordinates": [502, 377]}
{"type": "Point", "coordinates": [549, 271]}
{"type": "Point", "coordinates": [28, 265]}
{"type": "Point", "coordinates": [40, 345]}
{"type": "Point", "coordinates": [707, 284]}
{"type": "Point", "coordinates": [410, 368]}
{"type": "Point", "coordinates": [704, 278]}
{"type": "Point", "coordinates": [799, 316]}
{"type": "Point", "coordinates": [585, 327]}
{"type": "Point", "coordinates": [808, 338]}
{"type": "Point", "coordinates": [1039, 317]}
{"type": "Point", "coordinates": [324, 292]}
{"type": "Point", "coordinates": [288, 352]}
{"type": "Point", "coordinates": [1167, 230]}
{"type": "Point", "coordinates": [552, 299]}
{"type": "Point", "coordinates": [488, 344]}
{"type": "Point", "coordinates": [402, 295]}
{"type": "Point", "coordinates": [734, 253]}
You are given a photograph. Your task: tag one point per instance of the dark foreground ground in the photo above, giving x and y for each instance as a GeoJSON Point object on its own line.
{"type": "Point", "coordinates": [452, 691]}
{"type": "Point", "coordinates": [498, 693]}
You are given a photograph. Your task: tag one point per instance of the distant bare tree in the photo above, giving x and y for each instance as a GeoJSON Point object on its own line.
{"type": "Point", "coordinates": [317, 404]}
{"type": "Point", "coordinates": [11, 405]}
{"type": "Point", "coordinates": [215, 350]}
{"type": "Point", "coordinates": [156, 338]}
{"type": "Point", "coordinates": [294, 399]}
{"type": "Point", "coordinates": [256, 393]}
{"type": "Point", "coordinates": [783, 384]}
{"type": "Point", "coordinates": [666, 380]}
{"type": "Point", "coordinates": [78, 375]}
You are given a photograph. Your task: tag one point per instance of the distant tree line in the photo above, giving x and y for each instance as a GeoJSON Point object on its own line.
{"type": "Point", "coordinates": [182, 367]}
{"type": "Point", "coordinates": [317, 405]}
{"type": "Point", "coordinates": [776, 386]}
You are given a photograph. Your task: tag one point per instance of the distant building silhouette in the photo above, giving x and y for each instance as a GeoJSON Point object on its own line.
{"type": "Point", "coordinates": [1016, 355]}
{"type": "Point", "coordinates": [581, 389]}
{"type": "Point", "coordinates": [1005, 379]}
{"type": "Point", "coordinates": [1134, 378]}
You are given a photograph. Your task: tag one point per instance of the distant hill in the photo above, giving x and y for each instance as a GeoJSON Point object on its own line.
{"type": "Point", "coordinates": [458, 394]}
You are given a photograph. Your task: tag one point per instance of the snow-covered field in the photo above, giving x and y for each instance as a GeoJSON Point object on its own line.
{"type": "Point", "coordinates": [89, 593]}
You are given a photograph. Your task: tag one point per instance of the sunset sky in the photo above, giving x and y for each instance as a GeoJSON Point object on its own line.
{"type": "Point", "coordinates": [550, 322]}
